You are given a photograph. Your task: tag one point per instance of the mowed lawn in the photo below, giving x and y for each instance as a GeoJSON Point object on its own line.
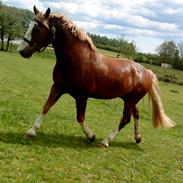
{"type": "Point", "coordinates": [61, 153]}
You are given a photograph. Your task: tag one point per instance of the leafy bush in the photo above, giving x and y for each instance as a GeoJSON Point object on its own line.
{"type": "Point", "coordinates": [147, 58]}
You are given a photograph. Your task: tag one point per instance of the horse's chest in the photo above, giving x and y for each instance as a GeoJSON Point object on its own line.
{"type": "Point", "coordinates": [68, 79]}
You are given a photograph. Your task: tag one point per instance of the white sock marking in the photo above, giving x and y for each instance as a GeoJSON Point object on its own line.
{"type": "Point", "coordinates": [110, 137]}
{"type": "Point", "coordinates": [36, 125]}
{"type": "Point", "coordinates": [87, 130]}
{"type": "Point", "coordinates": [136, 129]}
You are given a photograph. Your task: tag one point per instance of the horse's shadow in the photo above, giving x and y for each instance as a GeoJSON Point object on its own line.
{"type": "Point", "coordinates": [61, 140]}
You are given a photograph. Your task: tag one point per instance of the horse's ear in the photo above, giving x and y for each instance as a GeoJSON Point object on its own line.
{"type": "Point", "coordinates": [36, 11]}
{"type": "Point", "coordinates": [47, 14]}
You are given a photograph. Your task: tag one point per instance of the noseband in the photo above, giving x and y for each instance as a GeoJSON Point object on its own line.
{"type": "Point", "coordinates": [34, 45]}
{"type": "Point", "coordinates": [29, 42]}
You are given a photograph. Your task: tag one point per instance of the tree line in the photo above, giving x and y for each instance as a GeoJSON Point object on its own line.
{"type": "Point", "coordinates": [120, 45]}
{"type": "Point", "coordinates": [168, 52]}
{"type": "Point", "coordinates": [14, 22]}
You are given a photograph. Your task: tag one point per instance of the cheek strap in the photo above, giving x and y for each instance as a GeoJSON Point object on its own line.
{"type": "Point", "coordinates": [34, 45]}
{"type": "Point", "coordinates": [29, 42]}
{"type": "Point", "coordinates": [53, 31]}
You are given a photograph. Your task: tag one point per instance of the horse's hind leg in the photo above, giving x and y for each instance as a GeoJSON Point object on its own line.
{"type": "Point", "coordinates": [81, 108]}
{"type": "Point", "coordinates": [127, 112]}
{"type": "Point", "coordinates": [55, 94]}
{"type": "Point", "coordinates": [136, 125]}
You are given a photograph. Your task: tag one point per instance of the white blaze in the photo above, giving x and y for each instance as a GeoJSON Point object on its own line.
{"type": "Point", "coordinates": [28, 36]}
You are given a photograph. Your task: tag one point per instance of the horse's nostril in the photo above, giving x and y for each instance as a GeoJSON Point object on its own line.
{"type": "Point", "coordinates": [25, 54]}
{"type": "Point", "coordinates": [21, 53]}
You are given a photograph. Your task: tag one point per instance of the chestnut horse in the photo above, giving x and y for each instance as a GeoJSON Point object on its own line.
{"type": "Point", "coordinates": [82, 72]}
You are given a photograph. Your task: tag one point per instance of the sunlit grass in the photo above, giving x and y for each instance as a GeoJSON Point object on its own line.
{"type": "Point", "coordinates": [61, 153]}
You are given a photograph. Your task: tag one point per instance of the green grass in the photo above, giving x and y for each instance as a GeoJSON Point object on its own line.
{"type": "Point", "coordinates": [61, 153]}
{"type": "Point", "coordinates": [174, 75]}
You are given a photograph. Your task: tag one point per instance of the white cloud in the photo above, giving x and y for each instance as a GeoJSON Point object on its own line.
{"type": "Point", "coordinates": [28, 4]}
{"type": "Point", "coordinates": [87, 25]}
{"type": "Point", "coordinates": [153, 19]}
{"type": "Point", "coordinates": [171, 11]}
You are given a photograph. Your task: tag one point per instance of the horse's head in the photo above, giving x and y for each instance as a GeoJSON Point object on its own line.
{"type": "Point", "coordinates": [37, 36]}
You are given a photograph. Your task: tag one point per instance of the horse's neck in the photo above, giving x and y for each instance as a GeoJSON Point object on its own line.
{"type": "Point", "coordinates": [67, 47]}
{"type": "Point", "coordinates": [61, 42]}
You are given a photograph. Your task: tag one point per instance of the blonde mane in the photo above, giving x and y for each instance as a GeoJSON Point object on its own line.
{"type": "Point", "coordinates": [73, 28]}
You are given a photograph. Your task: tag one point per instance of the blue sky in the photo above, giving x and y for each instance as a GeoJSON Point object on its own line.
{"type": "Point", "coordinates": [147, 22]}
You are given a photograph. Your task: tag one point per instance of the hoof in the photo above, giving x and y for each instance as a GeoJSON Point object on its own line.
{"type": "Point", "coordinates": [29, 136]}
{"type": "Point", "coordinates": [102, 145]}
{"type": "Point", "coordinates": [138, 141]}
{"type": "Point", "coordinates": [92, 139]}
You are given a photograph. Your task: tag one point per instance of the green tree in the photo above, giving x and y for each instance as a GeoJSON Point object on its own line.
{"type": "Point", "coordinates": [127, 48]}
{"type": "Point", "coordinates": [3, 24]}
{"type": "Point", "coordinates": [168, 52]}
{"type": "Point", "coordinates": [178, 64]}
{"type": "Point", "coordinates": [118, 45]}
{"type": "Point", "coordinates": [13, 23]}
{"type": "Point", "coordinates": [15, 27]}
{"type": "Point", "coordinates": [180, 47]}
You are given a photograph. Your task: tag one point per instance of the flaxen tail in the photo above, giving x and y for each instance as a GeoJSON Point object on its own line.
{"type": "Point", "coordinates": [159, 117]}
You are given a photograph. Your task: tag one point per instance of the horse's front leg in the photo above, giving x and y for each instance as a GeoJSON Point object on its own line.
{"type": "Point", "coordinates": [81, 108]}
{"type": "Point", "coordinates": [55, 94]}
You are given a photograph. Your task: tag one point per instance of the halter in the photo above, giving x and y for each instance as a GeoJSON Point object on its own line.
{"type": "Point", "coordinates": [52, 37]}
{"type": "Point", "coordinates": [34, 45]}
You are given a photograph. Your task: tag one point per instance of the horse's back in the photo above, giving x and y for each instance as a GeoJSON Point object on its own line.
{"type": "Point", "coordinates": [118, 78]}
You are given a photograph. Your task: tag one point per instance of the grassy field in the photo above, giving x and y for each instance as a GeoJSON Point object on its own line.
{"type": "Point", "coordinates": [61, 153]}
{"type": "Point", "coordinates": [164, 74]}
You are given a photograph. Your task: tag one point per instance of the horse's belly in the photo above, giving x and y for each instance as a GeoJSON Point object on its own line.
{"type": "Point", "coordinates": [109, 91]}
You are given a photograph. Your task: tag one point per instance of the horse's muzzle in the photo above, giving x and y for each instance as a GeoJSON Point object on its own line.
{"type": "Point", "coordinates": [25, 53]}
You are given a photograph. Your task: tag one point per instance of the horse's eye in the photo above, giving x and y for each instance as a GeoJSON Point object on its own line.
{"type": "Point", "coordinates": [36, 29]}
